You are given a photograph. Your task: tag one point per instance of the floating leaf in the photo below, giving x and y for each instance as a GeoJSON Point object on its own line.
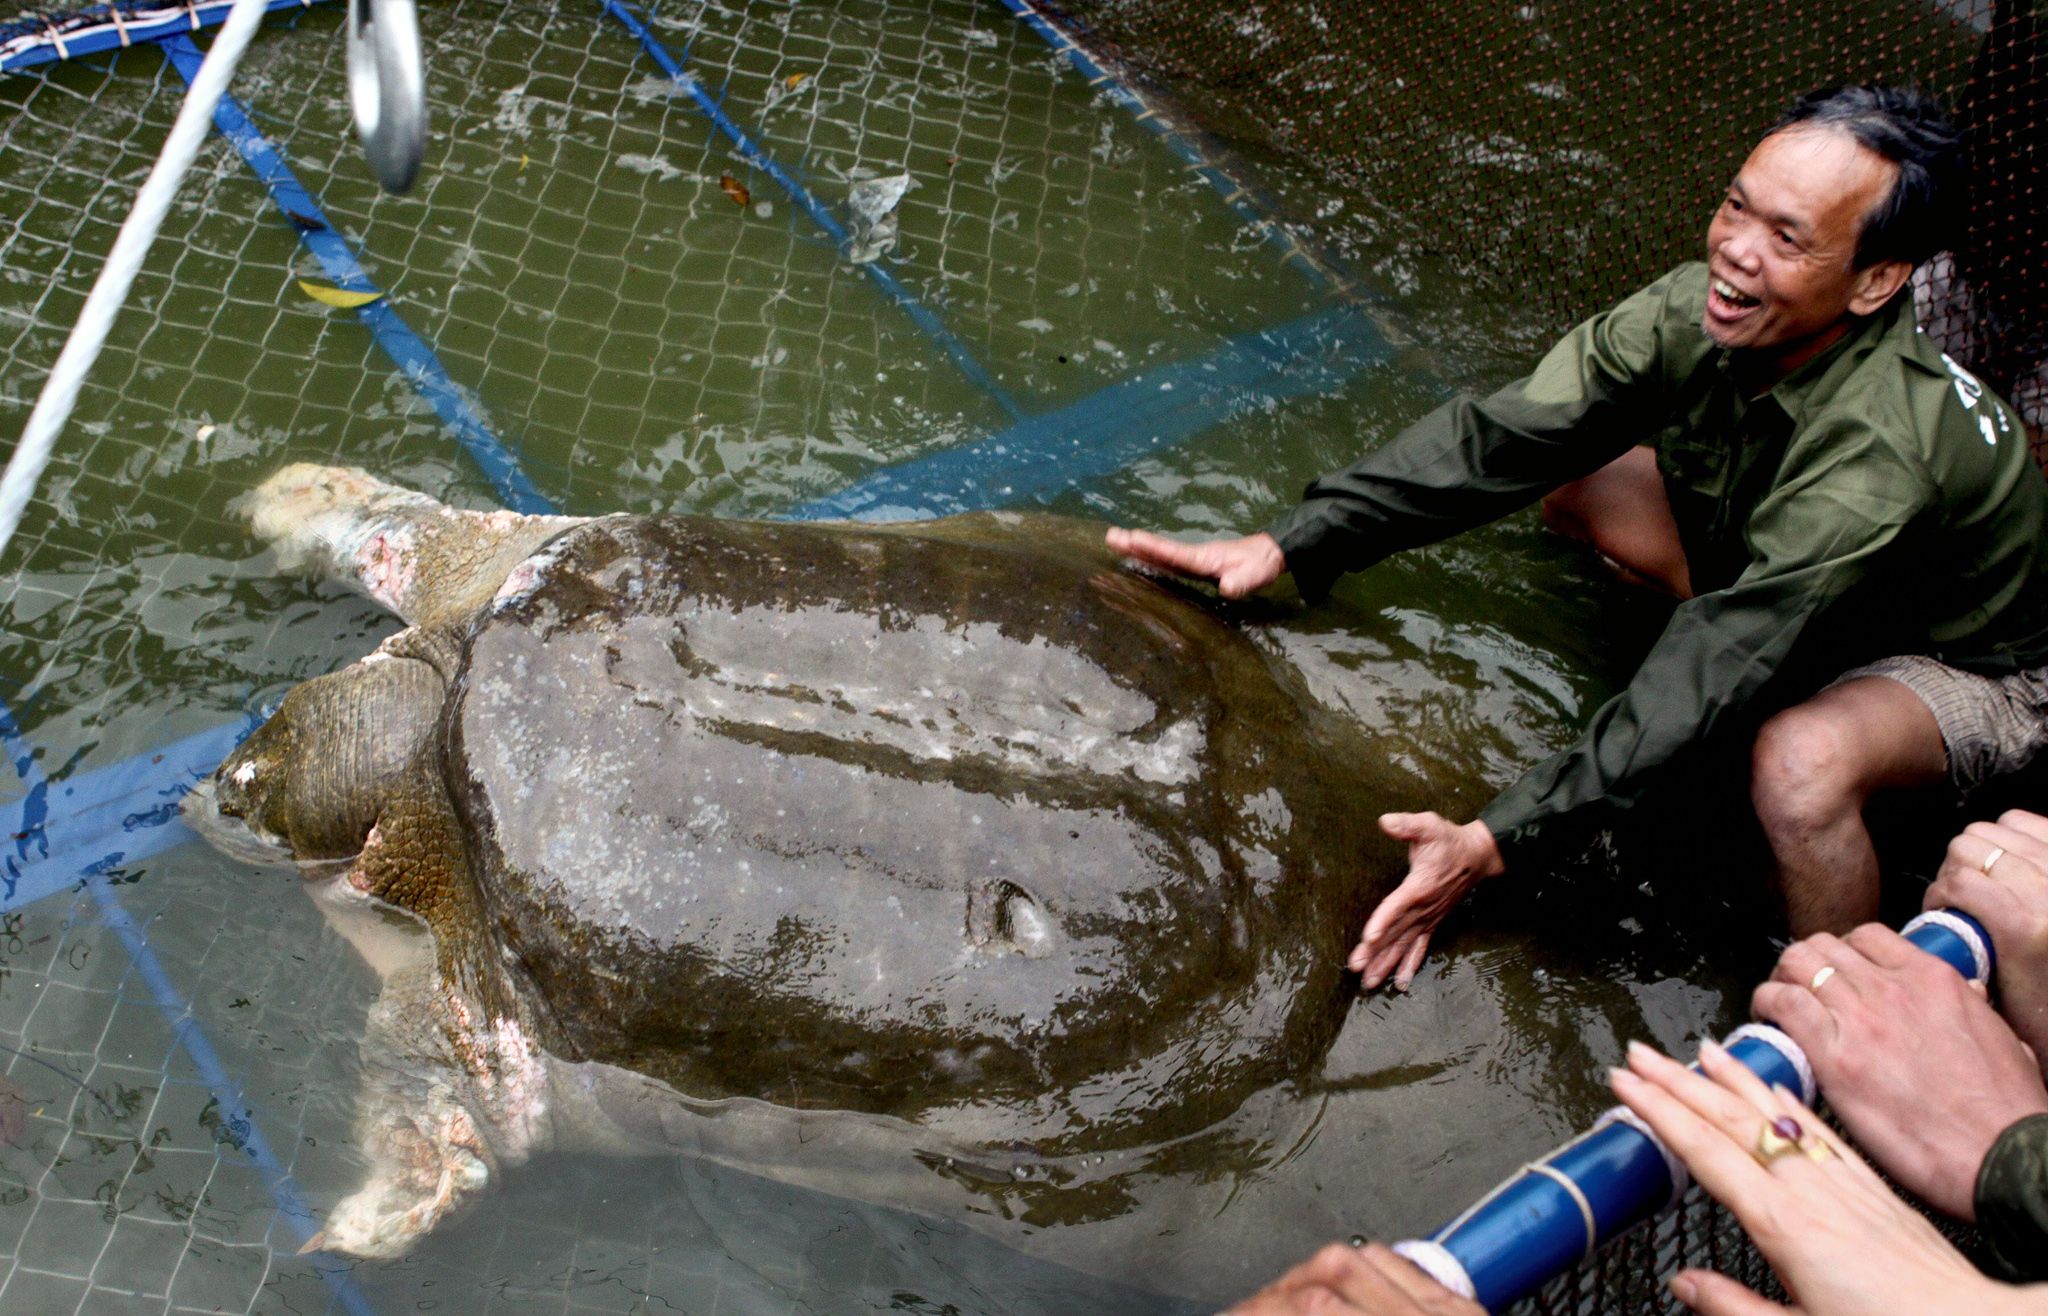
{"type": "Point", "coordinates": [735, 189]}
{"type": "Point", "coordinates": [341, 299]}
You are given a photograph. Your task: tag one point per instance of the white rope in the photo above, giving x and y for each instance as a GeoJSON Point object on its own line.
{"type": "Point", "coordinates": [1781, 1042]}
{"type": "Point", "coordinates": [1436, 1261]}
{"type": "Point", "coordinates": [131, 247]}
{"type": "Point", "coordinates": [1980, 954]}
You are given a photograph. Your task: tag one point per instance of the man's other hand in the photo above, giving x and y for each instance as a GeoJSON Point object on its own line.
{"type": "Point", "coordinates": [2011, 901]}
{"type": "Point", "coordinates": [1238, 566]}
{"type": "Point", "coordinates": [1350, 1281]}
{"type": "Point", "coordinates": [1445, 860]}
{"type": "Point", "coordinates": [1922, 1072]}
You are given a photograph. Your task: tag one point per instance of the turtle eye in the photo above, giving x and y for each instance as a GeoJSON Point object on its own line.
{"type": "Point", "coordinates": [1003, 916]}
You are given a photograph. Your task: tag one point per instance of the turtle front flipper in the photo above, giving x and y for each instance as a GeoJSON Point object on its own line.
{"type": "Point", "coordinates": [422, 559]}
{"type": "Point", "coordinates": [449, 1096]}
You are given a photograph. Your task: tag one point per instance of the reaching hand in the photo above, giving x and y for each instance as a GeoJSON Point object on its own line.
{"type": "Point", "coordinates": [1923, 1072]}
{"type": "Point", "coordinates": [1840, 1241]}
{"type": "Point", "coordinates": [1238, 566]}
{"type": "Point", "coordinates": [1350, 1281]}
{"type": "Point", "coordinates": [1445, 861]}
{"type": "Point", "coordinates": [2011, 901]}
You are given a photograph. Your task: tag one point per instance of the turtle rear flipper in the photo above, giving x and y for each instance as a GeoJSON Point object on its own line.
{"type": "Point", "coordinates": [426, 1167]}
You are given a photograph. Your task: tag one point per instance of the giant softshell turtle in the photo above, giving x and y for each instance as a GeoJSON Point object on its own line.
{"type": "Point", "coordinates": [930, 862]}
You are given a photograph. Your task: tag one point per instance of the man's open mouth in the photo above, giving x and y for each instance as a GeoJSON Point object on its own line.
{"type": "Point", "coordinates": [1735, 298]}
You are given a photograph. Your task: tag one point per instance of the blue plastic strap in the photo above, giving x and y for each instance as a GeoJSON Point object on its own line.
{"type": "Point", "coordinates": [1133, 418]}
{"type": "Point", "coordinates": [1236, 195]}
{"type": "Point", "coordinates": [185, 1030]}
{"type": "Point", "coordinates": [414, 359]}
{"type": "Point", "coordinates": [91, 822]}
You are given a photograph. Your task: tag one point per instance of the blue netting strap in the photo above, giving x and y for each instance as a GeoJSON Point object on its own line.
{"type": "Point", "coordinates": [28, 43]}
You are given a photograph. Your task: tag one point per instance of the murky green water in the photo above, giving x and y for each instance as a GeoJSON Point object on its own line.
{"type": "Point", "coordinates": [640, 340]}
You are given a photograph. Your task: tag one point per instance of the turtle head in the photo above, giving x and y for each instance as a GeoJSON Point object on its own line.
{"type": "Point", "coordinates": [429, 563]}
{"type": "Point", "coordinates": [320, 515]}
{"type": "Point", "coordinates": [314, 778]}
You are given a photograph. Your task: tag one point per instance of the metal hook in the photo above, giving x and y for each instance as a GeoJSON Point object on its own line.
{"type": "Point", "coordinates": [387, 88]}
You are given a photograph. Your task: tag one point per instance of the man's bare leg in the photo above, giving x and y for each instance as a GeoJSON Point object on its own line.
{"type": "Point", "coordinates": [1813, 771]}
{"type": "Point", "coordinates": [1622, 511]}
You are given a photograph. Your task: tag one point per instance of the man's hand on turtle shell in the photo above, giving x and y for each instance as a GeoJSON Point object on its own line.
{"type": "Point", "coordinates": [1445, 860]}
{"type": "Point", "coordinates": [1238, 566]}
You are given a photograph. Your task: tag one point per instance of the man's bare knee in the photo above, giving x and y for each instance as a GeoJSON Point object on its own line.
{"type": "Point", "coordinates": [1803, 776]}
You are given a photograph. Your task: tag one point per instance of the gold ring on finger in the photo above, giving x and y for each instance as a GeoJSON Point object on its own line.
{"type": "Point", "coordinates": [1997, 853]}
{"type": "Point", "coordinates": [1782, 1137]}
{"type": "Point", "coordinates": [1776, 1138]}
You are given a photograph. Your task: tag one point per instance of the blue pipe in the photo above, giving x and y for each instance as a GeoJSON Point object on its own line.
{"type": "Point", "coordinates": [414, 359]}
{"type": "Point", "coordinates": [1554, 1213]}
{"type": "Point", "coordinates": [749, 151]}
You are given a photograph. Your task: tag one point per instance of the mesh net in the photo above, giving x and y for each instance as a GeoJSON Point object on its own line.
{"type": "Point", "coordinates": [576, 258]}
{"type": "Point", "coordinates": [1562, 155]}
{"type": "Point", "coordinates": [646, 321]}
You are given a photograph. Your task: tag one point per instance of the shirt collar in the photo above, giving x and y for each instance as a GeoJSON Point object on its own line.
{"type": "Point", "coordinates": [1816, 382]}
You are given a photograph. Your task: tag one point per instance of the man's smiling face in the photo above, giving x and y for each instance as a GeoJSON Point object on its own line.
{"type": "Point", "coordinates": [1781, 250]}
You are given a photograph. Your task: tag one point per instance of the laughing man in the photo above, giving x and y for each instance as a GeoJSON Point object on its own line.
{"type": "Point", "coordinates": [1767, 437]}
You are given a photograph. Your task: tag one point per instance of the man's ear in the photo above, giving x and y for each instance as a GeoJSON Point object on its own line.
{"type": "Point", "coordinates": [1876, 284]}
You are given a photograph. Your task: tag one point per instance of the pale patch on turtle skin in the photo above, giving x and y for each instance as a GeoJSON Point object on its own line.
{"type": "Point", "coordinates": [359, 874]}
{"type": "Point", "coordinates": [522, 580]}
{"type": "Point", "coordinates": [422, 1172]}
{"type": "Point", "coordinates": [387, 566]}
{"type": "Point", "coordinates": [515, 1089]}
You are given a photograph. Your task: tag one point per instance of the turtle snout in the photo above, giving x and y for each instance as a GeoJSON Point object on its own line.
{"type": "Point", "coordinates": [219, 811]}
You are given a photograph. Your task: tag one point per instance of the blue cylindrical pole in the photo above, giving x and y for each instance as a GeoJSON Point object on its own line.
{"type": "Point", "coordinates": [1553, 1213]}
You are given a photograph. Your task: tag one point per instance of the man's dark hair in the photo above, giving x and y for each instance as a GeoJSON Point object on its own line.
{"type": "Point", "coordinates": [1911, 129]}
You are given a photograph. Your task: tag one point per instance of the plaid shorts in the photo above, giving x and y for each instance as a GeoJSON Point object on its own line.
{"type": "Point", "coordinates": [1991, 725]}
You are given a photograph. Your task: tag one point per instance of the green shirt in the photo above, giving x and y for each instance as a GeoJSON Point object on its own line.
{"type": "Point", "coordinates": [2012, 1200]}
{"type": "Point", "coordinates": [1878, 500]}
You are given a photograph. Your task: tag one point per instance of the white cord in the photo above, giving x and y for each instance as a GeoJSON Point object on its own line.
{"type": "Point", "coordinates": [131, 247]}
